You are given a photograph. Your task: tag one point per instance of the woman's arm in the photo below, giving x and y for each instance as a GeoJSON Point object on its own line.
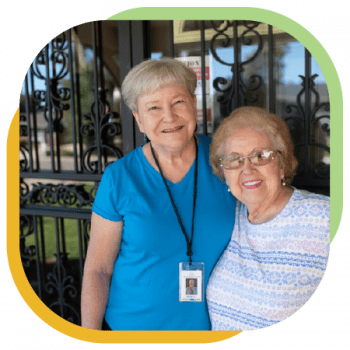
{"type": "Point", "coordinates": [103, 249]}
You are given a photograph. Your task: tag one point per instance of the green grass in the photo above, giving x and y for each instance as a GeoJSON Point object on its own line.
{"type": "Point", "coordinates": [70, 238]}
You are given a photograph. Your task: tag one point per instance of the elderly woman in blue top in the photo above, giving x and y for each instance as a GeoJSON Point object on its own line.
{"type": "Point", "coordinates": [155, 208]}
{"type": "Point", "coordinates": [279, 246]}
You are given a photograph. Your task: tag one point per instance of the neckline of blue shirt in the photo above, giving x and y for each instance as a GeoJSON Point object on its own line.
{"type": "Point", "coordinates": [185, 179]}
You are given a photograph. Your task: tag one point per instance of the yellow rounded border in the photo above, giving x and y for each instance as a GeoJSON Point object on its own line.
{"type": "Point", "coordinates": [13, 252]}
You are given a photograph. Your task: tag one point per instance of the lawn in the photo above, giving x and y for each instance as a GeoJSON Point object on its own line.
{"type": "Point", "coordinates": [70, 238]}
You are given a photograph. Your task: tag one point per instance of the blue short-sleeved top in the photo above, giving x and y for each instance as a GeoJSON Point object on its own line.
{"type": "Point", "coordinates": [144, 291]}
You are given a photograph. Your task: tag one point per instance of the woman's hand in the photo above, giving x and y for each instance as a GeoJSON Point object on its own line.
{"type": "Point", "coordinates": [103, 249]}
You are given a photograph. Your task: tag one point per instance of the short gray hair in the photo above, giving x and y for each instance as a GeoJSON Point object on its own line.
{"type": "Point", "coordinates": [272, 126]}
{"type": "Point", "coordinates": [151, 75]}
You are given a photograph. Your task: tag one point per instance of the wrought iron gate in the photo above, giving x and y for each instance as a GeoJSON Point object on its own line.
{"type": "Point", "coordinates": [58, 184]}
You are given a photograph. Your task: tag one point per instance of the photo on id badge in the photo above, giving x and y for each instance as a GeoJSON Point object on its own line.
{"type": "Point", "coordinates": [191, 286]}
{"type": "Point", "coordinates": [191, 282]}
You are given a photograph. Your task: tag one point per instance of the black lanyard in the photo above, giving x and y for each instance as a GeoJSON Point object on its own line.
{"type": "Point", "coordinates": [189, 242]}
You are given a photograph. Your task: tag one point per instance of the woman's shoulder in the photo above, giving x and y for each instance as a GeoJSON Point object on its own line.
{"type": "Point", "coordinates": [309, 197]}
{"type": "Point", "coordinates": [310, 204]}
{"type": "Point", "coordinates": [127, 161]}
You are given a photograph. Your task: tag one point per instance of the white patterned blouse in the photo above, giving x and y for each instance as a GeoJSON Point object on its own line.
{"type": "Point", "coordinates": [268, 271]}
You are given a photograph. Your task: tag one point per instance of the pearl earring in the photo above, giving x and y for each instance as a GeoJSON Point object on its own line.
{"type": "Point", "coordinates": [283, 181]}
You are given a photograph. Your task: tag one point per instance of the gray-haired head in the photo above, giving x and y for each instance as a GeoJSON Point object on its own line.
{"type": "Point", "coordinates": [272, 126]}
{"type": "Point", "coordinates": [152, 75]}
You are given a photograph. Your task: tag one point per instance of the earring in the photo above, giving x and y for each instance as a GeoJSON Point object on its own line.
{"type": "Point", "coordinates": [283, 181]}
{"type": "Point", "coordinates": [228, 190]}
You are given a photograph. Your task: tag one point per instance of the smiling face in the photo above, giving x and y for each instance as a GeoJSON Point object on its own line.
{"type": "Point", "coordinates": [253, 185]}
{"type": "Point", "coordinates": [167, 116]}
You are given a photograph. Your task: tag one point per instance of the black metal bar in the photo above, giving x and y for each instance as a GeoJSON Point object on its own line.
{"type": "Point", "coordinates": [85, 239]}
{"type": "Point", "coordinates": [58, 142]}
{"type": "Point", "coordinates": [100, 55]}
{"type": "Point", "coordinates": [138, 37]}
{"type": "Point", "coordinates": [58, 264]}
{"type": "Point", "coordinates": [67, 175]}
{"type": "Point", "coordinates": [307, 110]}
{"type": "Point", "coordinates": [63, 239]}
{"type": "Point", "coordinates": [97, 109]}
{"type": "Point", "coordinates": [58, 153]}
{"type": "Point", "coordinates": [203, 77]}
{"type": "Point", "coordinates": [72, 89]}
{"type": "Point", "coordinates": [37, 210]}
{"type": "Point", "coordinates": [125, 58]}
{"type": "Point", "coordinates": [48, 106]}
{"type": "Point", "coordinates": [102, 80]}
{"type": "Point", "coordinates": [171, 38]}
{"type": "Point", "coordinates": [77, 83]}
{"type": "Point", "coordinates": [29, 129]}
{"type": "Point", "coordinates": [42, 241]}
{"type": "Point", "coordinates": [272, 106]}
{"type": "Point", "coordinates": [236, 65]}
{"type": "Point", "coordinates": [35, 129]}
{"type": "Point", "coordinates": [38, 272]}
{"type": "Point", "coordinates": [54, 82]}
{"type": "Point", "coordinates": [81, 253]}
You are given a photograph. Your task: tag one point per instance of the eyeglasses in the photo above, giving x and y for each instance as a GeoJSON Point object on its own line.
{"type": "Point", "coordinates": [260, 157]}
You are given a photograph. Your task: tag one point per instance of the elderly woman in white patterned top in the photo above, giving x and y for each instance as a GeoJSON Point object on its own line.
{"type": "Point", "coordinates": [280, 242]}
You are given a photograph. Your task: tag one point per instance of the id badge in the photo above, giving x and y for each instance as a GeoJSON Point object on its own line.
{"type": "Point", "coordinates": [191, 282]}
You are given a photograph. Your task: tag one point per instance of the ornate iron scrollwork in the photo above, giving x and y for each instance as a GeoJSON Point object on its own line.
{"type": "Point", "coordinates": [44, 114]}
{"type": "Point", "coordinates": [104, 130]}
{"type": "Point", "coordinates": [52, 99]}
{"type": "Point", "coordinates": [27, 229]}
{"type": "Point", "coordinates": [87, 227]}
{"type": "Point", "coordinates": [24, 188]}
{"type": "Point", "coordinates": [23, 149]}
{"type": "Point", "coordinates": [297, 122]}
{"type": "Point", "coordinates": [241, 91]}
{"type": "Point", "coordinates": [63, 285]}
{"type": "Point", "coordinates": [61, 194]}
